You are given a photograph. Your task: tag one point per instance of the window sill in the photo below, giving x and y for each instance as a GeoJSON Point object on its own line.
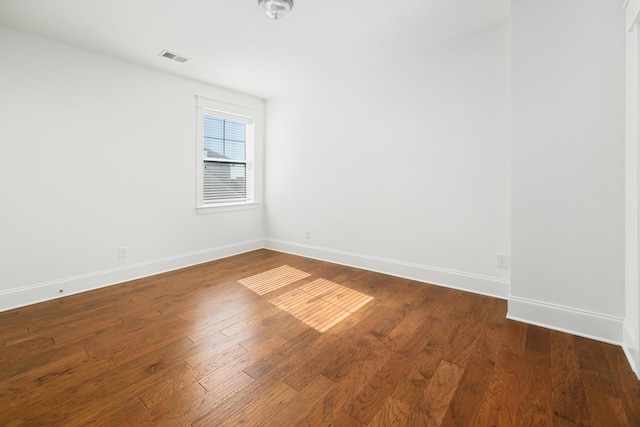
{"type": "Point", "coordinates": [226, 207]}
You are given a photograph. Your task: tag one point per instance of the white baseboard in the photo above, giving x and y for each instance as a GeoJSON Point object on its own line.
{"type": "Point", "coordinates": [484, 285]}
{"type": "Point", "coordinates": [565, 319]}
{"type": "Point", "coordinates": [20, 297]}
{"type": "Point", "coordinates": [631, 348]}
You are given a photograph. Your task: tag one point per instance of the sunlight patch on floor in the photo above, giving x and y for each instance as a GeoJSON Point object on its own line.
{"type": "Point", "coordinates": [273, 279]}
{"type": "Point", "coordinates": [321, 304]}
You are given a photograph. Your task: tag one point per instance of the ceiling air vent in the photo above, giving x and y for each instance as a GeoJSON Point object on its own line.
{"type": "Point", "coordinates": [173, 56]}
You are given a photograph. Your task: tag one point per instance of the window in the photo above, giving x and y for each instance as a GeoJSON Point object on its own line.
{"type": "Point", "coordinates": [225, 161]}
{"type": "Point", "coordinates": [225, 155]}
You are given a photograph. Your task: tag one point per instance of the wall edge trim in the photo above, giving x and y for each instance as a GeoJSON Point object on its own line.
{"type": "Point", "coordinates": [566, 319]}
{"type": "Point", "coordinates": [478, 284]}
{"type": "Point", "coordinates": [50, 290]}
{"type": "Point", "coordinates": [631, 348]}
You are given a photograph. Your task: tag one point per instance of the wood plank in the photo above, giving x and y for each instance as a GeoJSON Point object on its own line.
{"type": "Point", "coordinates": [515, 337]}
{"type": "Point", "coordinates": [569, 399]}
{"type": "Point", "coordinates": [537, 339]}
{"type": "Point", "coordinates": [474, 381]}
{"type": "Point", "coordinates": [170, 386]}
{"type": "Point", "coordinates": [561, 422]}
{"type": "Point", "coordinates": [409, 328]}
{"type": "Point", "coordinates": [218, 367]}
{"type": "Point", "coordinates": [40, 352]}
{"type": "Point", "coordinates": [436, 398]}
{"type": "Point", "coordinates": [263, 407]}
{"type": "Point", "coordinates": [498, 407]}
{"type": "Point", "coordinates": [434, 333]}
{"type": "Point", "coordinates": [183, 406]}
{"type": "Point", "coordinates": [19, 384]}
{"type": "Point", "coordinates": [463, 342]}
{"type": "Point", "coordinates": [345, 420]}
{"type": "Point", "coordinates": [605, 410]}
{"type": "Point", "coordinates": [332, 405]}
{"type": "Point", "coordinates": [367, 403]}
{"type": "Point", "coordinates": [103, 389]}
{"type": "Point", "coordinates": [392, 413]}
{"type": "Point", "coordinates": [534, 402]}
{"type": "Point", "coordinates": [411, 386]}
{"type": "Point", "coordinates": [266, 363]}
{"type": "Point", "coordinates": [314, 392]}
{"type": "Point", "coordinates": [313, 367]}
{"type": "Point", "coordinates": [627, 383]}
{"type": "Point", "coordinates": [49, 392]}
{"type": "Point", "coordinates": [115, 413]}
{"type": "Point", "coordinates": [328, 408]}
{"type": "Point", "coordinates": [243, 397]}
{"type": "Point", "coordinates": [347, 360]}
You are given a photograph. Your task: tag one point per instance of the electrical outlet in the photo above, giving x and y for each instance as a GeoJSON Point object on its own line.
{"type": "Point", "coordinates": [307, 234]}
{"type": "Point", "coordinates": [122, 252]}
{"type": "Point", "coordinates": [502, 261]}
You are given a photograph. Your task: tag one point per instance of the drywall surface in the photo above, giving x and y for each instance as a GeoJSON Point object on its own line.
{"type": "Point", "coordinates": [402, 167]}
{"type": "Point", "coordinates": [99, 154]}
{"type": "Point", "coordinates": [568, 165]}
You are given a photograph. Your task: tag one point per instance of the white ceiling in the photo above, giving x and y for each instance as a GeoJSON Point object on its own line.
{"type": "Point", "coordinates": [232, 44]}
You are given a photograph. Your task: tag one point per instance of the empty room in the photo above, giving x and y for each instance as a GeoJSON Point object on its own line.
{"type": "Point", "coordinates": [319, 213]}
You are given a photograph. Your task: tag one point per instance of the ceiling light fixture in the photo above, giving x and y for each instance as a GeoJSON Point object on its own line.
{"type": "Point", "coordinates": [276, 9]}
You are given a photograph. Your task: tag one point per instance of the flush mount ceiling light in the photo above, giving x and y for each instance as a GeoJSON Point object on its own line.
{"type": "Point", "coordinates": [276, 9]}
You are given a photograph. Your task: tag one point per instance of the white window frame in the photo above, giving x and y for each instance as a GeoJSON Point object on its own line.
{"type": "Point", "coordinates": [249, 116]}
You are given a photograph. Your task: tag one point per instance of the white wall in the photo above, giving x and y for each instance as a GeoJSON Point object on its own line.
{"type": "Point", "coordinates": [98, 154]}
{"type": "Point", "coordinates": [568, 165]}
{"type": "Point", "coordinates": [402, 167]}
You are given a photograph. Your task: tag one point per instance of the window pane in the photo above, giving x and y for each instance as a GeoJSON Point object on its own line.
{"type": "Point", "coordinates": [224, 139]}
{"type": "Point", "coordinates": [213, 137]}
{"type": "Point", "coordinates": [234, 131]}
{"type": "Point", "coordinates": [213, 127]}
{"type": "Point", "coordinates": [213, 148]}
{"type": "Point", "coordinates": [234, 150]}
{"type": "Point", "coordinates": [224, 181]}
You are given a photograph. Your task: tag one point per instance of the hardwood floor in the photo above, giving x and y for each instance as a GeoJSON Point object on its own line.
{"type": "Point", "coordinates": [196, 347]}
